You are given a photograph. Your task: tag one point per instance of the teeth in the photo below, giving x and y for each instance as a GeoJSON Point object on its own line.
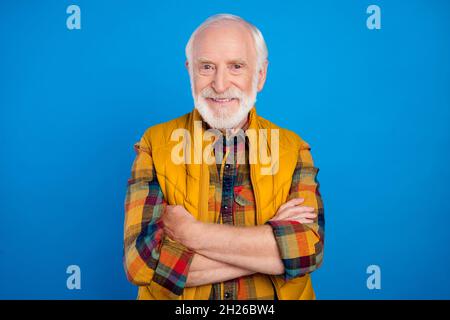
{"type": "Point", "coordinates": [222, 100]}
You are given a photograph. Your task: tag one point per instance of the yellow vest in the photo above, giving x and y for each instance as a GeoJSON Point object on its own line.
{"type": "Point", "coordinates": [188, 185]}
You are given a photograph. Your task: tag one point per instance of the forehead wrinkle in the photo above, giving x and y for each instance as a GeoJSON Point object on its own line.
{"type": "Point", "coordinates": [231, 41]}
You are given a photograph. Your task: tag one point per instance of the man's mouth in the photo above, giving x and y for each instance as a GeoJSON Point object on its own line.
{"type": "Point", "coordinates": [222, 100]}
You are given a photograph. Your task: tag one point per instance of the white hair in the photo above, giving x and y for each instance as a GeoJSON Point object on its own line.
{"type": "Point", "coordinates": [260, 44]}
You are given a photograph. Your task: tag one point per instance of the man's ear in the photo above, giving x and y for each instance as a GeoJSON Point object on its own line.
{"type": "Point", "coordinates": [186, 64]}
{"type": "Point", "coordinates": [262, 76]}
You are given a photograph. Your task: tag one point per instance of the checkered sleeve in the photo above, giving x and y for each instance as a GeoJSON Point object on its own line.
{"type": "Point", "coordinates": [150, 258]}
{"type": "Point", "coordinates": [301, 245]}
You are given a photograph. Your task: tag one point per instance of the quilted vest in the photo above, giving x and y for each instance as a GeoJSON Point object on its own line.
{"type": "Point", "coordinates": [187, 184]}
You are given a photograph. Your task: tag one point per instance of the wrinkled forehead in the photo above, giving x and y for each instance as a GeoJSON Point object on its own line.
{"type": "Point", "coordinates": [226, 40]}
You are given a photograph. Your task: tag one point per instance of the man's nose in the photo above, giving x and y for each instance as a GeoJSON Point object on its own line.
{"type": "Point", "coordinates": [221, 81]}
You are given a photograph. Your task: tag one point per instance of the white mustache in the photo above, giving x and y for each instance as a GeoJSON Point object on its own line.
{"type": "Point", "coordinates": [232, 93]}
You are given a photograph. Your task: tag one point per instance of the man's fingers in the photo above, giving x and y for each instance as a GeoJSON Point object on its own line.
{"type": "Point", "coordinates": [300, 209]}
{"type": "Point", "coordinates": [305, 208]}
{"type": "Point", "coordinates": [291, 203]}
{"type": "Point", "coordinates": [293, 211]}
{"type": "Point", "coordinates": [296, 215]}
{"type": "Point", "coordinates": [304, 216]}
{"type": "Point", "coordinates": [307, 215]}
{"type": "Point", "coordinates": [305, 221]}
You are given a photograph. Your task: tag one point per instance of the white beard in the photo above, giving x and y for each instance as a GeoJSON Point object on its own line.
{"type": "Point", "coordinates": [223, 118]}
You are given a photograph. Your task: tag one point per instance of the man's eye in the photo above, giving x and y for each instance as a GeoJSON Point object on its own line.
{"type": "Point", "coordinates": [237, 66]}
{"type": "Point", "coordinates": [207, 67]}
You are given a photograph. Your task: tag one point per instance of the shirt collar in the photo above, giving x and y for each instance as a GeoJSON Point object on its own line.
{"type": "Point", "coordinates": [227, 136]}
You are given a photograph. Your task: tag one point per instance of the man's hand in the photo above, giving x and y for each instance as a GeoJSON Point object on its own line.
{"type": "Point", "coordinates": [292, 211]}
{"type": "Point", "coordinates": [178, 223]}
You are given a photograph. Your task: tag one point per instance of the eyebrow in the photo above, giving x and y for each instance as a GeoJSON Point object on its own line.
{"type": "Point", "coordinates": [206, 60]}
{"type": "Point", "coordinates": [238, 61]}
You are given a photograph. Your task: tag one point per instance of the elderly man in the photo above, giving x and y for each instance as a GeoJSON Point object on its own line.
{"type": "Point", "coordinates": [224, 229]}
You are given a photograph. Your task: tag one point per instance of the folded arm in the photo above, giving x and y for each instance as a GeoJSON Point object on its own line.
{"type": "Point", "coordinates": [250, 248]}
{"type": "Point", "coordinates": [291, 243]}
{"type": "Point", "coordinates": [204, 270]}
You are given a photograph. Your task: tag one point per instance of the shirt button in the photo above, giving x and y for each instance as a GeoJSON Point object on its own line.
{"type": "Point", "coordinates": [227, 295]}
{"type": "Point", "coordinates": [227, 166]}
{"type": "Point", "coordinates": [225, 207]}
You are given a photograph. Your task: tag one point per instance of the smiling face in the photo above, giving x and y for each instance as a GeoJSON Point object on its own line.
{"type": "Point", "coordinates": [224, 74]}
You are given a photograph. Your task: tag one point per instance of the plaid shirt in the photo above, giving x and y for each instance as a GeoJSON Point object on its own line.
{"type": "Point", "coordinates": [151, 257]}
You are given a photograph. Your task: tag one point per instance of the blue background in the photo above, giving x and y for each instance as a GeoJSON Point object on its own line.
{"type": "Point", "coordinates": [373, 104]}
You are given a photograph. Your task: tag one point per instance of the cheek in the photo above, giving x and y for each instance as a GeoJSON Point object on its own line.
{"type": "Point", "coordinates": [201, 83]}
{"type": "Point", "coordinates": [244, 84]}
